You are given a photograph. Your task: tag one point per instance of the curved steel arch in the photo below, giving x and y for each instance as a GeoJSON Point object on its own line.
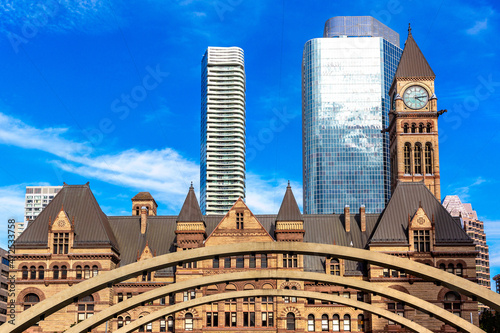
{"type": "Point", "coordinates": [415, 302]}
{"type": "Point", "coordinates": [66, 297]}
{"type": "Point", "coordinates": [273, 292]}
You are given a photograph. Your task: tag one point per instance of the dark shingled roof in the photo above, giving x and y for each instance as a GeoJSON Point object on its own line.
{"type": "Point", "coordinates": [289, 210]}
{"type": "Point", "coordinates": [413, 63]}
{"type": "Point", "coordinates": [190, 211]}
{"type": "Point", "coordinates": [91, 224]}
{"type": "Point", "coordinates": [143, 196]}
{"type": "Point", "coordinates": [393, 225]}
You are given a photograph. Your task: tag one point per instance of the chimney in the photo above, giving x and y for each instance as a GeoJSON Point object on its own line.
{"type": "Point", "coordinates": [347, 218]}
{"type": "Point", "coordinates": [144, 219]}
{"type": "Point", "coordinates": [362, 215]}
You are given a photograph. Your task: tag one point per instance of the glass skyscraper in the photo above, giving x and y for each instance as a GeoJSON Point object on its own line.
{"type": "Point", "coordinates": [346, 76]}
{"type": "Point", "coordinates": [222, 160]}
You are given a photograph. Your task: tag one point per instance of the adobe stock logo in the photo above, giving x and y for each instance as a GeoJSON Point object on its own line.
{"type": "Point", "coordinates": [44, 11]}
{"type": "Point", "coordinates": [266, 135]}
{"type": "Point", "coordinates": [127, 102]}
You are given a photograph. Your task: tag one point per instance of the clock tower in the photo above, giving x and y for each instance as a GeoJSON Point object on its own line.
{"type": "Point", "coordinates": [413, 121]}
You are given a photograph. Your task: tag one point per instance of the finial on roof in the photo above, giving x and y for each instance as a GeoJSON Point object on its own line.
{"type": "Point", "coordinates": [289, 183]}
{"type": "Point", "coordinates": [191, 185]}
{"type": "Point", "coordinates": [420, 204]}
{"type": "Point", "coordinates": [409, 29]}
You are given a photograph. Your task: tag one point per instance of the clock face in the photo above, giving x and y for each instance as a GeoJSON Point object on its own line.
{"type": "Point", "coordinates": [415, 97]}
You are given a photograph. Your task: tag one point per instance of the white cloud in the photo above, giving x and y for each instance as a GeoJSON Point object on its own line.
{"type": "Point", "coordinates": [264, 196]}
{"type": "Point", "coordinates": [464, 191]}
{"type": "Point", "coordinates": [165, 173]}
{"type": "Point", "coordinates": [26, 18]}
{"type": "Point", "coordinates": [16, 133]}
{"type": "Point", "coordinates": [478, 27]}
{"type": "Point", "coordinates": [11, 207]}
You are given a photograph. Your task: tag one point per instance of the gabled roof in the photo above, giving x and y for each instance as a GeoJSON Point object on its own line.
{"type": "Point", "coordinates": [91, 224]}
{"type": "Point", "coordinates": [289, 210]}
{"type": "Point", "coordinates": [406, 200]}
{"type": "Point", "coordinates": [190, 211]}
{"type": "Point", "coordinates": [413, 63]}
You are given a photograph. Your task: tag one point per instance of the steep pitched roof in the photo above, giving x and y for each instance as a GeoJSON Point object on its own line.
{"type": "Point", "coordinates": [190, 211]}
{"type": "Point", "coordinates": [91, 224]}
{"type": "Point", "coordinates": [406, 200]}
{"type": "Point", "coordinates": [413, 63]}
{"type": "Point", "coordinates": [289, 210]}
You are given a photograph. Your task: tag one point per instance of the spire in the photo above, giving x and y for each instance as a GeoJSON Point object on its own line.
{"type": "Point", "coordinates": [190, 211]}
{"type": "Point", "coordinates": [413, 63]}
{"type": "Point", "coordinates": [289, 210]}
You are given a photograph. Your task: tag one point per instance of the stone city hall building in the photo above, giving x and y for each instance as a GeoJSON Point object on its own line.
{"type": "Point", "coordinates": [73, 240]}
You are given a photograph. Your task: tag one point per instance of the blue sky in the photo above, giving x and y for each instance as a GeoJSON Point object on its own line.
{"type": "Point", "coordinates": [109, 92]}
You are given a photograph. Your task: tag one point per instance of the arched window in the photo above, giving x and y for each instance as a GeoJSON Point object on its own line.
{"type": "Point", "coordinates": [78, 272]}
{"type": "Point", "coordinates": [170, 324]}
{"type": "Point", "coordinates": [310, 323]}
{"type": "Point", "coordinates": [85, 308]}
{"type": "Point", "coordinates": [420, 128]}
{"type": "Point", "coordinates": [95, 270]}
{"type": "Point", "coordinates": [452, 302]}
{"type": "Point", "coordinates": [163, 324]}
{"type": "Point", "coordinates": [460, 270]}
{"type": "Point", "coordinates": [334, 266]}
{"type": "Point", "coordinates": [405, 128]}
{"type": "Point", "coordinates": [41, 273]}
{"type": "Point", "coordinates": [290, 321]}
{"type": "Point", "coordinates": [55, 273]}
{"type": "Point", "coordinates": [442, 266]}
{"type": "Point", "coordinates": [429, 127]}
{"type": "Point", "coordinates": [407, 160]}
{"type": "Point", "coordinates": [30, 300]}
{"type": "Point", "coordinates": [361, 323]}
{"type": "Point", "coordinates": [64, 272]}
{"type": "Point", "coordinates": [286, 299]}
{"type": "Point", "coordinates": [294, 299]}
{"type": "Point", "coordinates": [120, 322]}
{"type": "Point", "coordinates": [32, 272]}
{"type": "Point", "coordinates": [451, 269]}
{"type": "Point", "coordinates": [86, 271]}
{"type": "Point", "coordinates": [413, 128]}
{"type": "Point", "coordinates": [127, 320]}
{"type": "Point", "coordinates": [25, 272]}
{"type": "Point", "coordinates": [336, 323]}
{"type": "Point", "coordinates": [418, 158]}
{"type": "Point", "coordinates": [347, 323]}
{"type": "Point", "coordinates": [428, 158]}
{"type": "Point", "coordinates": [137, 210]}
{"type": "Point", "coordinates": [324, 323]}
{"type": "Point", "coordinates": [188, 322]}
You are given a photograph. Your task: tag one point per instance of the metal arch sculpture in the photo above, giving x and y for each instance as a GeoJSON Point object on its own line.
{"type": "Point", "coordinates": [66, 297]}
{"type": "Point", "coordinates": [424, 306]}
{"type": "Point", "coordinates": [273, 292]}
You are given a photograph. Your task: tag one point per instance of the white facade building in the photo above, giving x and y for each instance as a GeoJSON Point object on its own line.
{"type": "Point", "coordinates": [36, 199]}
{"type": "Point", "coordinates": [222, 167]}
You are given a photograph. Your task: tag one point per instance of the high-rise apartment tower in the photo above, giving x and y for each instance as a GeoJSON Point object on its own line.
{"type": "Point", "coordinates": [346, 77]}
{"type": "Point", "coordinates": [222, 167]}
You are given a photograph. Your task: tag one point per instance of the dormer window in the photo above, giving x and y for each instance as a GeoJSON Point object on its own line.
{"type": "Point", "coordinates": [239, 220]}
{"type": "Point", "coordinates": [61, 243]}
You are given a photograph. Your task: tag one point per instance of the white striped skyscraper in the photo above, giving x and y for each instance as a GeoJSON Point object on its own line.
{"type": "Point", "coordinates": [222, 160]}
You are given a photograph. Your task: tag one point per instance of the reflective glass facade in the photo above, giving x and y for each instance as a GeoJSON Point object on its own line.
{"type": "Point", "coordinates": [345, 105]}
